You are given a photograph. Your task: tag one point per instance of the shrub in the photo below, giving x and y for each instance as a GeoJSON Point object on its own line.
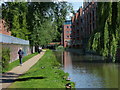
{"type": "Point", "coordinates": [5, 57]}
{"type": "Point", "coordinates": [60, 48]}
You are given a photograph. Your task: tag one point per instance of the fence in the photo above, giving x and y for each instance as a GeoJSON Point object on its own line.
{"type": "Point", "coordinates": [14, 44]}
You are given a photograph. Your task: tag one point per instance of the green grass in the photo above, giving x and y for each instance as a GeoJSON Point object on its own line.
{"type": "Point", "coordinates": [16, 63]}
{"type": "Point", "coordinates": [49, 77]}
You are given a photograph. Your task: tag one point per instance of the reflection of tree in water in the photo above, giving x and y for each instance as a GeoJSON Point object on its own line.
{"type": "Point", "coordinates": [107, 72]}
{"type": "Point", "coordinates": [58, 55]}
{"type": "Point", "coordinates": [76, 57]}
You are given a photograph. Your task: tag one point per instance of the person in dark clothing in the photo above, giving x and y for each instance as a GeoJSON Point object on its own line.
{"type": "Point", "coordinates": [39, 49]}
{"type": "Point", "coordinates": [21, 53]}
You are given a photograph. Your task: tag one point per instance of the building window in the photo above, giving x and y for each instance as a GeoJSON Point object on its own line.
{"type": "Point", "coordinates": [67, 31]}
{"type": "Point", "coordinates": [77, 23]}
{"type": "Point", "coordinates": [67, 26]}
{"type": "Point", "coordinates": [81, 21]}
{"type": "Point", "coordinates": [83, 12]}
{"type": "Point", "coordinates": [81, 29]}
{"type": "Point", "coordinates": [93, 15]}
{"type": "Point", "coordinates": [67, 36]}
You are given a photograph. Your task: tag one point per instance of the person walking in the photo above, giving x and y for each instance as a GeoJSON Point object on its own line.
{"type": "Point", "coordinates": [21, 53]}
{"type": "Point", "coordinates": [39, 49]}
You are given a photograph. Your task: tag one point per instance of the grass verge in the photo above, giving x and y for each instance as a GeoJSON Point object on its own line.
{"type": "Point", "coordinates": [16, 63]}
{"type": "Point", "coordinates": [46, 73]}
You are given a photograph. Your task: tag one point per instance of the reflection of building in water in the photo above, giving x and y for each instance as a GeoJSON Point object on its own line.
{"type": "Point", "coordinates": [67, 62]}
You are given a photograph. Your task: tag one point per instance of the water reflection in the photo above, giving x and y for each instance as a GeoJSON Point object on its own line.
{"type": "Point", "coordinates": [67, 62]}
{"type": "Point", "coordinates": [89, 75]}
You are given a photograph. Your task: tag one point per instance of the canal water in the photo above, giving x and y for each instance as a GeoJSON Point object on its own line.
{"type": "Point", "coordinates": [88, 75]}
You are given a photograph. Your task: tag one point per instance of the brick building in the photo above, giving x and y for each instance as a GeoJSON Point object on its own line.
{"type": "Point", "coordinates": [89, 14]}
{"type": "Point", "coordinates": [77, 28]}
{"type": "Point", "coordinates": [4, 28]}
{"type": "Point", "coordinates": [67, 30]}
{"type": "Point", "coordinates": [83, 23]}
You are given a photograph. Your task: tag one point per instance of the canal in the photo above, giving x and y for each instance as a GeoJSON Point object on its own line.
{"type": "Point", "coordinates": [86, 74]}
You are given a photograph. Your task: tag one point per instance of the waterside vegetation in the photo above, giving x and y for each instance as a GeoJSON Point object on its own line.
{"type": "Point", "coordinates": [16, 62]}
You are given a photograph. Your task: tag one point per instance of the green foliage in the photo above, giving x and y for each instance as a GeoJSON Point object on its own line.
{"type": "Point", "coordinates": [39, 22]}
{"type": "Point", "coordinates": [96, 41]}
{"type": "Point", "coordinates": [118, 27]}
{"type": "Point", "coordinates": [46, 21]}
{"type": "Point", "coordinates": [46, 32]}
{"type": "Point", "coordinates": [60, 48]}
{"type": "Point", "coordinates": [106, 40]}
{"type": "Point", "coordinates": [5, 58]}
{"type": "Point", "coordinates": [108, 27]}
{"type": "Point", "coordinates": [113, 47]}
{"type": "Point", "coordinates": [16, 62]}
{"type": "Point", "coordinates": [14, 14]}
{"type": "Point", "coordinates": [61, 9]}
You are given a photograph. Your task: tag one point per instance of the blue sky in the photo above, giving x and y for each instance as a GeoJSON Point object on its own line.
{"type": "Point", "coordinates": [76, 5]}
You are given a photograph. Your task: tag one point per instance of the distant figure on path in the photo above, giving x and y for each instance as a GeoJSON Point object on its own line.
{"type": "Point", "coordinates": [21, 53]}
{"type": "Point", "coordinates": [39, 49]}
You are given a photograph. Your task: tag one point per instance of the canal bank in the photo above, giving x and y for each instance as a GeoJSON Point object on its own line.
{"type": "Point", "coordinates": [45, 74]}
{"type": "Point", "coordinates": [89, 75]}
{"type": "Point", "coordinates": [87, 56]}
{"type": "Point", "coordinates": [94, 56]}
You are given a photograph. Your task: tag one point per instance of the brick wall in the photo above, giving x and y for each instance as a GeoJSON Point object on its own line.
{"type": "Point", "coordinates": [14, 50]}
{"type": "Point", "coordinates": [67, 35]}
{"type": "Point", "coordinates": [8, 41]}
{"type": "Point", "coordinates": [83, 25]}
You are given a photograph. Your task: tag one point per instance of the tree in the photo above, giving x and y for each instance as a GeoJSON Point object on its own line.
{"type": "Point", "coordinates": [108, 27]}
{"type": "Point", "coordinates": [60, 12]}
{"type": "Point", "coordinates": [14, 14]}
{"type": "Point", "coordinates": [39, 22]}
{"type": "Point", "coordinates": [47, 20]}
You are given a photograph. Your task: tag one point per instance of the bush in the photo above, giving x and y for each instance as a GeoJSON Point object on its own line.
{"type": "Point", "coordinates": [60, 48]}
{"type": "Point", "coordinates": [5, 57]}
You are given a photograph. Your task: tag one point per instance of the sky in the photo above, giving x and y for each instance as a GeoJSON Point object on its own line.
{"type": "Point", "coordinates": [76, 5]}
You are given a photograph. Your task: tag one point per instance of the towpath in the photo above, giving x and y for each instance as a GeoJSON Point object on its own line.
{"type": "Point", "coordinates": [8, 78]}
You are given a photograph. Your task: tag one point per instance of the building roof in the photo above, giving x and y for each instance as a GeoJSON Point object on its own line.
{"type": "Point", "coordinates": [12, 40]}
